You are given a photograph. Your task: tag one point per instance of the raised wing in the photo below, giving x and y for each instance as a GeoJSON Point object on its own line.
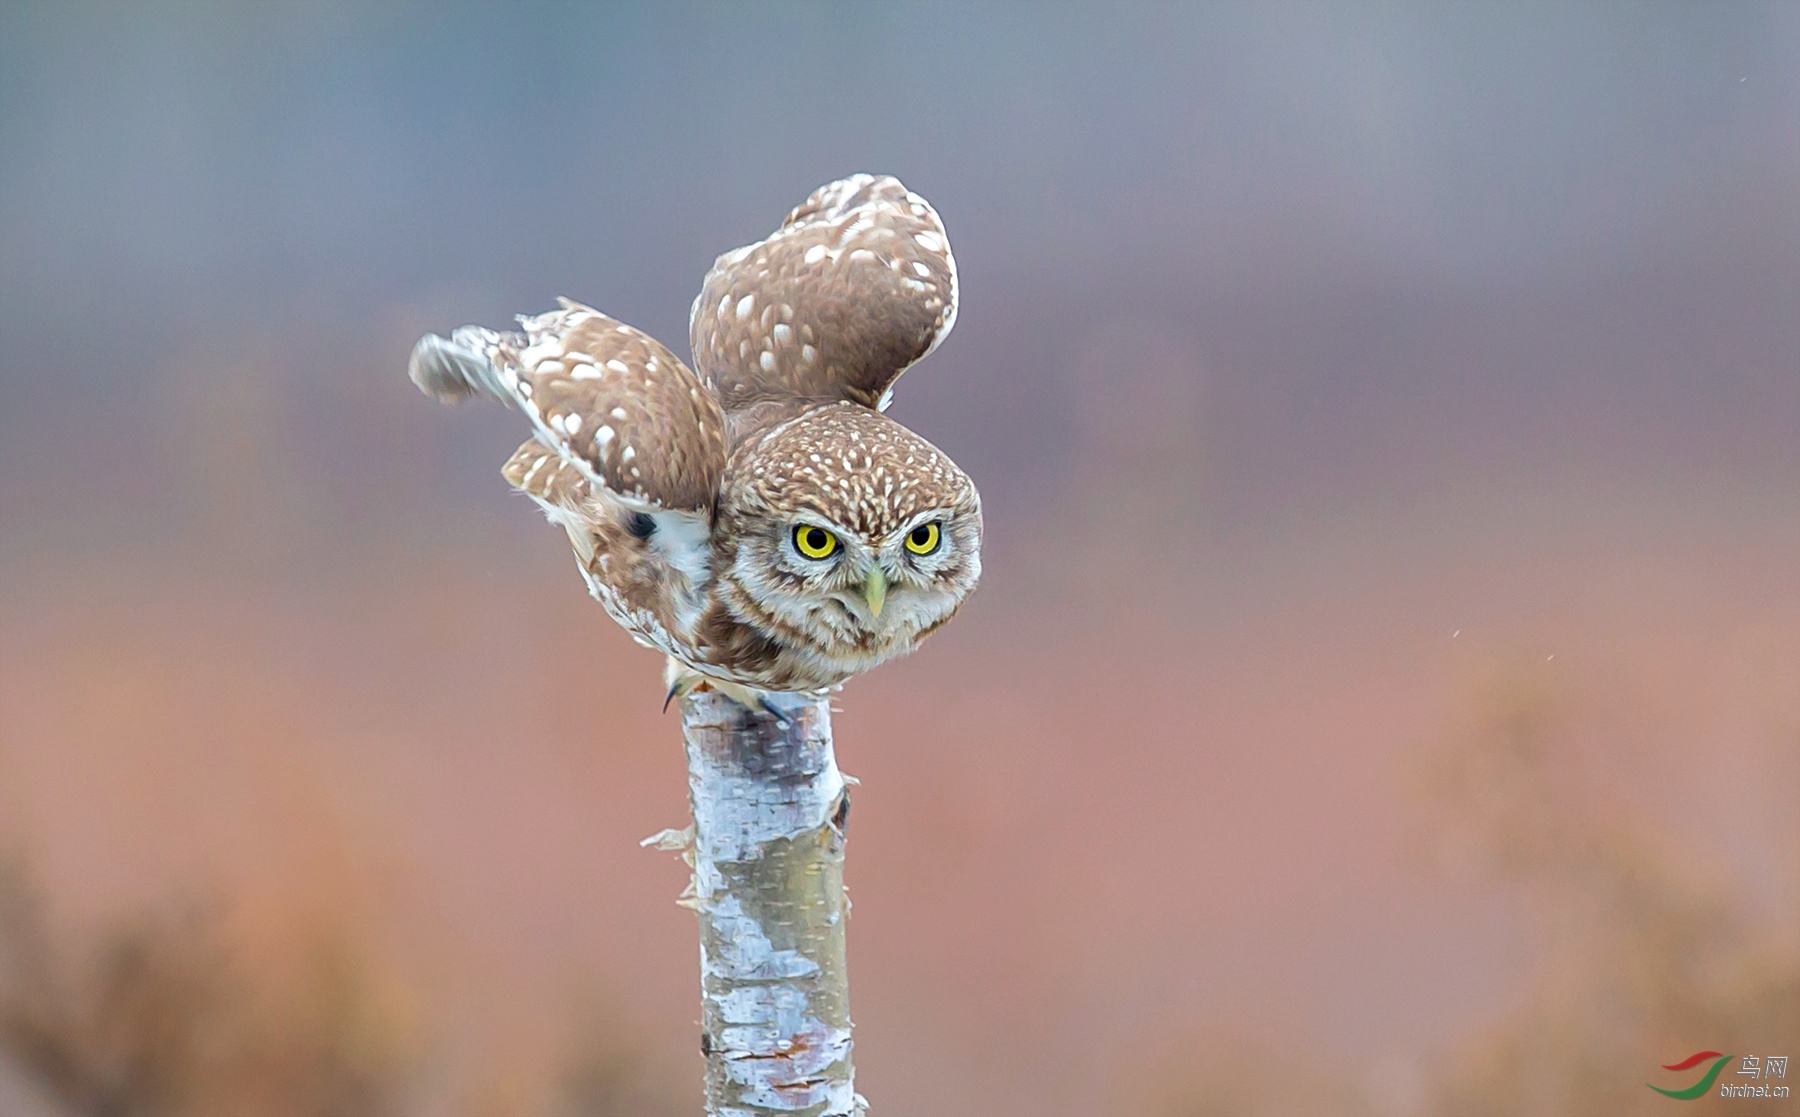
{"type": "Point", "coordinates": [610, 401]}
{"type": "Point", "coordinates": [856, 285]}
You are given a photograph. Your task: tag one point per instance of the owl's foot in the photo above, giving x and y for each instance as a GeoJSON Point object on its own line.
{"type": "Point", "coordinates": [681, 679]}
{"type": "Point", "coordinates": [763, 703]}
{"type": "Point", "coordinates": [684, 680]}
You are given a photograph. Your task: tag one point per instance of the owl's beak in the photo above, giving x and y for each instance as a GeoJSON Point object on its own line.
{"type": "Point", "coordinates": [875, 589]}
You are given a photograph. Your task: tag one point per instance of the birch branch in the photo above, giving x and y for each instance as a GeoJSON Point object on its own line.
{"type": "Point", "coordinates": [768, 858]}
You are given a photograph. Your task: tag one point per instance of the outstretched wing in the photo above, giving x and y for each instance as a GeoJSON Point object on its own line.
{"type": "Point", "coordinates": [856, 285]}
{"type": "Point", "coordinates": [610, 402]}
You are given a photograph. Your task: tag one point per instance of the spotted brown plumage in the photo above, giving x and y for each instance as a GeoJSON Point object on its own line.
{"type": "Point", "coordinates": [856, 285]}
{"type": "Point", "coordinates": [610, 399]}
{"type": "Point", "coordinates": [852, 465]}
{"type": "Point", "coordinates": [683, 489]}
{"type": "Point", "coordinates": [541, 472]}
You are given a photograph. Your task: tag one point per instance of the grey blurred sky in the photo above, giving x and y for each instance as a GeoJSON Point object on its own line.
{"type": "Point", "coordinates": [1318, 253]}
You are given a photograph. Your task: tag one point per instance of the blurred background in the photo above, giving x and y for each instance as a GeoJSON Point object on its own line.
{"type": "Point", "coordinates": [1383, 697]}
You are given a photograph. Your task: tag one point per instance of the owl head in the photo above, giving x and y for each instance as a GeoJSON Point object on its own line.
{"type": "Point", "coordinates": [846, 537]}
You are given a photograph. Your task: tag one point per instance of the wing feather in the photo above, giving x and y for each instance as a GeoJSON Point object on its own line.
{"type": "Point", "coordinates": [608, 399]}
{"type": "Point", "coordinates": [857, 284]}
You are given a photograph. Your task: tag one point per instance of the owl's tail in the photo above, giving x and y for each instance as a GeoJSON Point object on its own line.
{"type": "Point", "coordinates": [467, 363]}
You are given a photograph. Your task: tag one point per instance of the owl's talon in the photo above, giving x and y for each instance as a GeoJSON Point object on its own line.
{"type": "Point", "coordinates": [682, 679]}
{"type": "Point", "coordinates": [768, 707]}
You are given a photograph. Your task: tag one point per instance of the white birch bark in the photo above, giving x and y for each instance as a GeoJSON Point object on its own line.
{"type": "Point", "coordinates": [768, 856]}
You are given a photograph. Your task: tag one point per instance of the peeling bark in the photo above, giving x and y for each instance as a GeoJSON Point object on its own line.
{"type": "Point", "coordinates": [768, 857]}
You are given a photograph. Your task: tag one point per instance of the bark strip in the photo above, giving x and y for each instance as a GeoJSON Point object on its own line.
{"type": "Point", "coordinates": [768, 854]}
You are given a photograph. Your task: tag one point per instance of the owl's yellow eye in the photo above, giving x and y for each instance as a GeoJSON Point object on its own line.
{"type": "Point", "coordinates": [814, 542]}
{"type": "Point", "coordinates": [925, 538]}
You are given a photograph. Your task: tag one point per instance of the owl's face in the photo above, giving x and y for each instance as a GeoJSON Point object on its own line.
{"type": "Point", "coordinates": [854, 588]}
{"type": "Point", "coordinates": [848, 537]}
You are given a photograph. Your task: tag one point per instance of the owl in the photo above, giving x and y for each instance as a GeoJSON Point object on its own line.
{"type": "Point", "coordinates": [755, 518]}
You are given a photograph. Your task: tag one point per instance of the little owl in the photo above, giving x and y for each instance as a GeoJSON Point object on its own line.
{"type": "Point", "coordinates": [756, 518]}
